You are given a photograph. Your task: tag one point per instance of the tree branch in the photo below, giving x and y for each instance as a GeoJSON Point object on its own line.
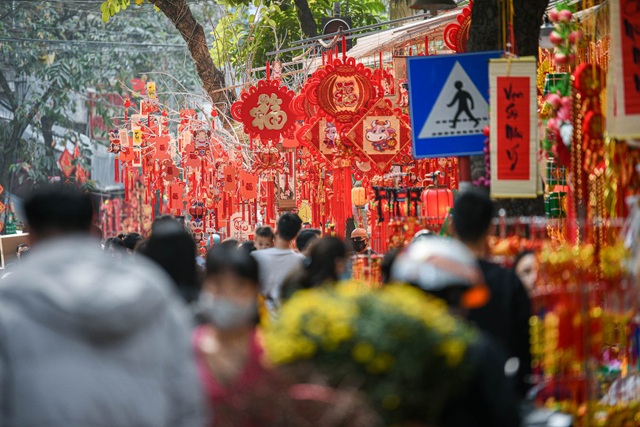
{"type": "Point", "coordinates": [7, 90]}
{"type": "Point", "coordinates": [213, 80]}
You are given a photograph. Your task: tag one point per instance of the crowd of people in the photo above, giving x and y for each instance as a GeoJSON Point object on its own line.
{"type": "Point", "coordinates": [141, 331]}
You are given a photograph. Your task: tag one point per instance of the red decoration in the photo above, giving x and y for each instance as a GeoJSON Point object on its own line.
{"type": "Point", "coordinates": [265, 110]}
{"type": "Point", "coordinates": [197, 210]}
{"type": "Point", "coordinates": [381, 135]}
{"type": "Point", "coordinates": [514, 133]}
{"type": "Point", "coordinates": [269, 160]}
{"type": "Point", "coordinates": [321, 136]}
{"type": "Point", "coordinates": [456, 34]}
{"type": "Point", "coordinates": [436, 202]}
{"type": "Point", "coordinates": [339, 90]}
{"type": "Point", "coordinates": [66, 163]}
{"type": "Point", "coordinates": [630, 19]}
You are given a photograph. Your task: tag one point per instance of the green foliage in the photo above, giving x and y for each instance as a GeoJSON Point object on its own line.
{"type": "Point", "coordinates": [109, 8]}
{"type": "Point", "coordinates": [250, 29]}
{"type": "Point", "coordinates": [77, 53]}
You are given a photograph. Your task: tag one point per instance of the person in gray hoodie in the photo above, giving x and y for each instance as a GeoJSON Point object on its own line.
{"type": "Point", "coordinates": [89, 341]}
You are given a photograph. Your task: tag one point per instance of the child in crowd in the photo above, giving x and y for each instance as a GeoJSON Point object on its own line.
{"type": "Point", "coordinates": [264, 238]}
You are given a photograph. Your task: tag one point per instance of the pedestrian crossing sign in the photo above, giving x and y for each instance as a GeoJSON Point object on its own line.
{"type": "Point", "coordinates": [449, 103]}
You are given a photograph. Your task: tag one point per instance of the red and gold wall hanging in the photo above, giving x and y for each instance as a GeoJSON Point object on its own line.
{"type": "Point", "coordinates": [623, 95]}
{"type": "Point", "coordinates": [456, 34]}
{"type": "Point", "coordinates": [381, 135]}
{"type": "Point", "coordinates": [514, 127]}
{"type": "Point", "coordinates": [339, 90]}
{"type": "Point", "coordinates": [265, 110]}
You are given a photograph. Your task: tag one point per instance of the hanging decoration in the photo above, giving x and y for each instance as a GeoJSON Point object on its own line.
{"type": "Point", "coordinates": [456, 34]}
{"type": "Point", "coordinates": [339, 90]}
{"type": "Point", "coordinates": [514, 127]}
{"type": "Point", "coordinates": [65, 162]}
{"type": "Point", "coordinates": [265, 111]}
{"type": "Point", "coordinates": [623, 95]}
{"type": "Point", "coordinates": [381, 135]}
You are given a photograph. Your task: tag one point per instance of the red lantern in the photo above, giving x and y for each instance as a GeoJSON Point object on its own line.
{"type": "Point", "coordinates": [197, 210]}
{"type": "Point", "coordinates": [436, 202]}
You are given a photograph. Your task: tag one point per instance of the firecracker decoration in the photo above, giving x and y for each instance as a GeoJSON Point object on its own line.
{"type": "Point", "coordinates": [380, 135]}
{"type": "Point", "coordinates": [456, 34]}
{"type": "Point", "coordinates": [339, 90]}
{"type": "Point", "coordinates": [265, 111]}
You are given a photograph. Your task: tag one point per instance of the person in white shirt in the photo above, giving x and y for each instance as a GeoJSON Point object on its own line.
{"type": "Point", "coordinates": [277, 262]}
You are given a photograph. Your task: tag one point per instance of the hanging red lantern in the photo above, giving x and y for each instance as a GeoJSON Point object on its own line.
{"type": "Point", "coordinates": [436, 202]}
{"type": "Point", "coordinates": [197, 210]}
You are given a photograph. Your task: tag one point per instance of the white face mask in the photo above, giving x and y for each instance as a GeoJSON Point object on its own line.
{"type": "Point", "coordinates": [225, 314]}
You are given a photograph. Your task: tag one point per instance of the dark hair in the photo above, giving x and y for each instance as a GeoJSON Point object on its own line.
{"type": "Point", "coordinates": [131, 239]}
{"type": "Point", "coordinates": [230, 244]}
{"type": "Point", "coordinates": [173, 249]}
{"type": "Point", "coordinates": [58, 209]}
{"type": "Point", "coordinates": [221, 260]}
{"type": "Point", "coordinates": [387, 264]}
{"type": "Point", "coordinates": [306, 237]}
{"type": "Point", "coordinates": [114, 243]}
{"type": "Point", "coordinates": [472, 213]}
{"type": "Point", "coordinates": [520, 256]}
{"type": "Point", "coordinates": [318, 268]}
{"type": "Point", "coordinates": [247, 246]}
{"type": "Point", "coordinates": [161, 219]}
{"type": "Point", "coordinates": [265, 232]}
{"type": "Point", "coordinates": [289, 226]}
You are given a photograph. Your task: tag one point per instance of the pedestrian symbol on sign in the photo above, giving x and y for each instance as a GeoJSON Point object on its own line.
{"type": "Point", "coordinates": [460, 108]}
{"type": "Point", "coordinates": [462, 97]}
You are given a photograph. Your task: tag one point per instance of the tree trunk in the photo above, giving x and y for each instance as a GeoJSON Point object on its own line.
{"type": "Point", "coordinates": [486, 34]}
{"type": "Point", "coordinates": [486, 25]}
{"type": "Point", "coordinates": [213, 80]}
{"type": "Point", "coordinates": [307, 23]}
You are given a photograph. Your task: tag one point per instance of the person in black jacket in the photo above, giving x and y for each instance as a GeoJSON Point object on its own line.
{"type": "Point", "coordinates": [506, 315]}
{"type": "Point", "coordinates": [446, 269]}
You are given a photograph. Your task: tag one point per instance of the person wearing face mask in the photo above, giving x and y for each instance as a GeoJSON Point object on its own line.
{"type": "Point", "coordinates": [228, 354]}
{"type": "Point", "coordinates": [326, 264]}
{"type": "Point", "coordinates": [360, 242]}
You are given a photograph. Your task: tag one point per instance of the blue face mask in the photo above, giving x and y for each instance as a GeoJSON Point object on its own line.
{"type": "Point", "coordinates": [226, 314]}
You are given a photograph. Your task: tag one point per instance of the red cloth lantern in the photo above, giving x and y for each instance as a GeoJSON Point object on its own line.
{"type": "Point", "coordinates": [436, 202]}
{"type": "Point", "coordinates": [197, 210]}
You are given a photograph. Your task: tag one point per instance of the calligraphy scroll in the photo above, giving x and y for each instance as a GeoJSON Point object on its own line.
{"type": "Point", "coordinates": [623, 96]}
{"type": "Point", "coordinates": [513, 127]}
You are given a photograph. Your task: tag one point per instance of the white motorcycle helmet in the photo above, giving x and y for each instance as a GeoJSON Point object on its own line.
{"type": "Point", "coordinates": [443, 267]}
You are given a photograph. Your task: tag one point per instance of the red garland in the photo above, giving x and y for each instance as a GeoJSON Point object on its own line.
{"type": "Point", "coordinates": [266, 112]}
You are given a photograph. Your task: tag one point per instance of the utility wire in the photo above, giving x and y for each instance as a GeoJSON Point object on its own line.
{"type": "Point", "coordinates": [87, 42]}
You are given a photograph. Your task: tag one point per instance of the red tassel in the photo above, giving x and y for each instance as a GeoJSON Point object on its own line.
{"type": "Point", "coordinates": [116, 170]}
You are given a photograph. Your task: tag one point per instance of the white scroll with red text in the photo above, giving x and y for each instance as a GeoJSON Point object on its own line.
{"type": "Point", "coordinates": [623, 94]}
{"type": "Point", "coordinates": [514, 127]}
